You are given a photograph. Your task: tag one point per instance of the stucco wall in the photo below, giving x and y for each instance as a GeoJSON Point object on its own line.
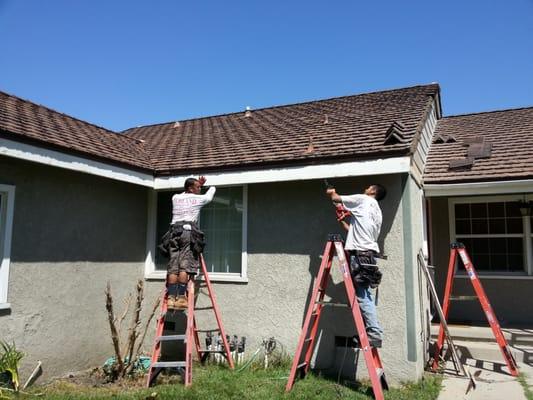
{"type": "Point", "coordinates": [510, 298]}
{"type": "Point", "coordinates": [288, 226]}
{"type": "Point", "coordinates": [71, 234]}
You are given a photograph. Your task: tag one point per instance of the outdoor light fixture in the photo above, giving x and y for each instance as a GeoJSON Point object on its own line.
{"type": "Point", "coordinates": [526, 208]}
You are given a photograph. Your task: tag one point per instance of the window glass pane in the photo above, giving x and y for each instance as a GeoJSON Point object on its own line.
{"type": "Point", "coordinates": [480, 226]}
{"type": "Point", "coordinates": [489, 225]}
{"type": "Point", "coordinates": [462, 211]}
{"type": "Point", "coordinates": [514, 225]}
{"type": "Point", "coordinates": [221, 221]}
{"type": "Point", "coordinates": [496, 210]}
{"type": "Point", "coordinates": [462, 227]}
{"type": "Point", "coordinates": [512, 209]}
{"type": "Point", "coordinates": [497, 226]}
{"type": "Point", "coordinates": [479, 210]}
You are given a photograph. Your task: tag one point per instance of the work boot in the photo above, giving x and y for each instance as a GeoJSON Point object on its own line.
{"type": "Point", "coordinates": [374, 342]}
{"type": "Point", "coordinates": [181, 303]}
{"type": "Point", "coordinates": [171, 302]}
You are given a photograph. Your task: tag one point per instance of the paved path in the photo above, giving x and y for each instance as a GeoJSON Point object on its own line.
{"type": "Point", "coordinates": [493, 383]}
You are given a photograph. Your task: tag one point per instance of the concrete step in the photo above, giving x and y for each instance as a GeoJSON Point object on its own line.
{"type": "Point", "coordinates": [478, 343]}
{"type": "Point", "coordinates": [514, 336]}
{"type": "Point", "coordinates": [489, 351]}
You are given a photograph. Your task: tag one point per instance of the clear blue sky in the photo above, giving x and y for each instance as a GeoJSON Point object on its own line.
{"type": "Point", "coordinates": [126, 63]}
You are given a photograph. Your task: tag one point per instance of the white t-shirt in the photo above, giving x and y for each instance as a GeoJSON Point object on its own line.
{"type": "Point", "coordinates": [186, 206]}
{"type": "Point", "coordinates": [365, 222]}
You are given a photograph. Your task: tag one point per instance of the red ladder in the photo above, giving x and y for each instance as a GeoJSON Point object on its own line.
{"type": "Point", "coordinates": [459, 248]}
{"type": "Point", "coordinates": [307, 339]}
{"type": "Point", "coordinates": [189, 337]}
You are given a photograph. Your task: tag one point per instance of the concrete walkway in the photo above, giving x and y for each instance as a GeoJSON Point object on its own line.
{"type": "Point", "coordinates": [493, 382]}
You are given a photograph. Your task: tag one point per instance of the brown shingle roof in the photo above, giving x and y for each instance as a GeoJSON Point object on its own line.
{"type": "Point", "coordinates": [24, 120]}
{"type": "Point", "coordinates": [510, 132]}
{"type": "Point", "coordinates": [351, 127]}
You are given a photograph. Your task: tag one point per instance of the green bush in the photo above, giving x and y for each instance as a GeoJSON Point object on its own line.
{"type": "Point", "coordinates": [9, 363]}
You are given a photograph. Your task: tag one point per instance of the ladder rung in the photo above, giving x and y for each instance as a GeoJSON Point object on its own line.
{"type": "Point", "coordinates": [168, 338]}
{"type": "Point", "coordinates": [207, 330]}
{"type": "Point", "coordinates": [301, 365]}
{"type": "Point", "coordinates": [463, 298]}
{"type": "Point", "coordinates": [328, 303]}
{"type": "Point", "coordinates": [308, 339]}
{"type": "Point", "coordinates": [213, 351]}
{"type": "Point", "coordinates": [168, 364]}
{"type": "Point", "coordinates": [203, 308]}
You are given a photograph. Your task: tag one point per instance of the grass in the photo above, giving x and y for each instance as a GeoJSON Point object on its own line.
{"type": "Point", "coordinates": [527, 389]}
{"type": "Point", "coordinates": [220, 383]}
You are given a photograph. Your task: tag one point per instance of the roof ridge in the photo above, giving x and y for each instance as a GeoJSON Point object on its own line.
{"type": "Point", "coordinates": [284, 105]}
{"type": "Point", "coordinates": [487, 112]}
{"type": "Point", "coordinates": [67, 115]}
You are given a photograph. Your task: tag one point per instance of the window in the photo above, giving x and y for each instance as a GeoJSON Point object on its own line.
{"type": "Point", "coordinates": [7, 201]}
{"type": "Point", "coordinates": [496, 235]}
{"type": "Point", "coordinates": [224, 223]}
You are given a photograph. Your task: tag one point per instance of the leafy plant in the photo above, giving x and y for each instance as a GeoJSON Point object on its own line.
{"type": "Point", "coordinates": [9, 362]}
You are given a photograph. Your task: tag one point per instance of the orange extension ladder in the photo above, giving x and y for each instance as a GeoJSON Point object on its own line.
{"type": "Point", "coordinates": [459, 248]}
{"type": "Point", "coordinates": [306, 343]}
{"type": "Point", "coordinates": [190, 335]}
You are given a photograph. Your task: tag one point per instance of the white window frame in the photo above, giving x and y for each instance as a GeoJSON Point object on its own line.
{"type": "Point", "coordinates": [7, 197]}
{"type": "Point", "coordinates": [150, 271]}
{"type": "Point", "coordinates": [527, 236]}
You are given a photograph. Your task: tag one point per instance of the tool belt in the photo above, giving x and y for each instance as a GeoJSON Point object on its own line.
{"type": "Point", "coordinates": [363, 268]}
{"type": "Point", "coordinates": [171, 237]}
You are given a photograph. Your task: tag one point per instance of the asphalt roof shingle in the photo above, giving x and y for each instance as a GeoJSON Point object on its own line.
{"type": "Point", "coordinates": [349, 127]}
{"type": "Point", "coordinates": [23, 120]}
{"type": "Point", "coordinates": [510, 132]}
{"type": "Point", "coordinates": [352, 127]}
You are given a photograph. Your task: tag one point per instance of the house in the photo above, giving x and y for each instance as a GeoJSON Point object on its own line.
{"type": "Point", "coordinates": [479, 187]}
{"type": "Point", "coordinates": [82, 205]}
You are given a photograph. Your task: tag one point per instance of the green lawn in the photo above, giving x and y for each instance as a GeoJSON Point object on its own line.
{"type": "Point", "coordinates": [220, 383]}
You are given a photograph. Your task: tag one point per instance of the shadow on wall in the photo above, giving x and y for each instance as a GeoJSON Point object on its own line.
{"type": "Point", "coordinates": [296, 218]}
{"type": "Point", "coordinates": [66, 216]}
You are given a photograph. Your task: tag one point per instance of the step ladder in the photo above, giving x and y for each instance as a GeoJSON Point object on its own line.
{"type": "Point", "coordinates": [460, 368]}
{"type": "Point", "coordinates": [306, 343]}
{"type": "Point", "coordinates": [190, 337]}
{"type": "Point", "coordinates": [459, 248]}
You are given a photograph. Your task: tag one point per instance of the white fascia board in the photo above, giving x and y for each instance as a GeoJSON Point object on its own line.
{"type": "Point", "coordinates": [479, 188]}
{"type": "Point", "coordinates": [346, 169]}
{"type": "Point", "coordinates": [58, 159]}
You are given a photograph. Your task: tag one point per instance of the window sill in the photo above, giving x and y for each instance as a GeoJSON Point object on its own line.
{"type": "Point", "coordinates": [237, 278]}
{"type": "Point", "coordinates": [512, 277]}
{"type": "Point", "coordinates": [5, 306]}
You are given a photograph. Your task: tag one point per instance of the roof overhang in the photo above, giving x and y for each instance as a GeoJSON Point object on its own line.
{"type": "Point", "coordinates": [479, 188]}
{"type": "Point", "coordinates": [59, 159]}
{"type": "Point", "coordinates": [380, 166]}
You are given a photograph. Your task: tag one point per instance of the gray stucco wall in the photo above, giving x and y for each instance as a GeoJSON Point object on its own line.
{"type": "Point", "coordinates": [510, 298]}
{"type": "Point", "coordinates": [288, 226]}
{"type": "Point", "coordinates": [72, 233]}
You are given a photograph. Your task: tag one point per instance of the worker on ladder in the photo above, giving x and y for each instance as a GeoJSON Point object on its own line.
{"type": "Point", "coordinates": [184, 241]}
{"type": "Point", "coordinates": [363, 226]}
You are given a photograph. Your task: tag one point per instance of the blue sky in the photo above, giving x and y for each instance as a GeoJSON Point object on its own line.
{"type": "Point", "coordinates": [121, 64]}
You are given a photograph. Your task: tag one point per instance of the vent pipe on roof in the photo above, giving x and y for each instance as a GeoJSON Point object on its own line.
{"type": "Point", "coordinates": [326, 119]}
{"type": "Point", "coordinates": [248, 112]}
{"type": "Point", "coordinates": [176, 124]}
{"type": "Point", "coordinates": [310, 146]}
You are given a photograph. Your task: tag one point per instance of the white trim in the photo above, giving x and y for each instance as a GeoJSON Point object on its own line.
{"type": "Point", "coordinates": [149, 262]}
{"type": "Point", "coordinates": [479, 188]}
{"type": "Point", "coordinates": [358, 168]}
{"type": "Point", "coordinates": [58, 159]}
{"type": "Point", "coordinates": [5, 306]}
{"type": "Point", "coordinates": [528, 251]}
{"type": "Point", "coordinates": [496, 276]}
{"type": "Point", "coordinates": [151, 273]}
{"type": "Point", "coordinates": [7, 209]}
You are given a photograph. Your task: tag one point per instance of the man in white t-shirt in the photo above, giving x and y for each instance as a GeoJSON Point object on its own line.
{"type": "Point", "coordinates": [363, 226]}
{"type": "Point", "coordinates": [184, 241]}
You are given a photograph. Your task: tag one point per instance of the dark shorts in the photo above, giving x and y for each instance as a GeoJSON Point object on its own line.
{"type": "Point", "coordinates": [183, 257]}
